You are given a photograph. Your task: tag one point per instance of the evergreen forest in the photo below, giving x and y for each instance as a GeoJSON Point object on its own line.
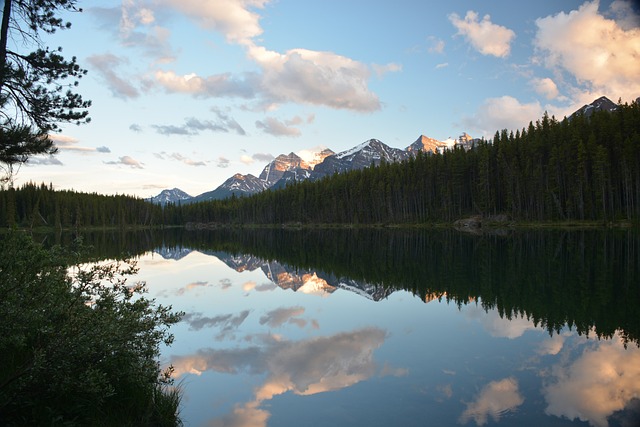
{"type": "Point", "coordinates": [578, 169]}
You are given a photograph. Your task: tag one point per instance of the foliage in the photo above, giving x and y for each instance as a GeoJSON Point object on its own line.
{"type": "Point", "coordinates": [36, 88]}
{"type": "Point", "coordinates": [80, 344]}
{"type": "Point", "coordinates": [577, 169]}
{"type": "Point", "coordinates": [33, 205]}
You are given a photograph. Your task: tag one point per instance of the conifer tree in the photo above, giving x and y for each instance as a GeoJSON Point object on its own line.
{"type": "Point", "coordinates": [36, 88]}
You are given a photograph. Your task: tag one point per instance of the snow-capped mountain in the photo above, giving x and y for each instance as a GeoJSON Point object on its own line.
{"type": "Point", "coordinates": [274, 170]}
{"type": "Point", "coordinates": [361, 156]}
{"type": "Point", "coordinates": [601, 104]}
{"type": "Point", "coordinates": [304, 281]}
{"type": "Point", "coordinates": [238, 184]}
{"type": "Point", "coordinates": [174, 195]}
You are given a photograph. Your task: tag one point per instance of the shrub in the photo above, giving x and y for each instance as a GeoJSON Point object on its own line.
{"type": "Point", "coordinates": [79, 345]}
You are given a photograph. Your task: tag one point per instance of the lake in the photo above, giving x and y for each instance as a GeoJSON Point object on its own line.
{"type": "Point", "coordinates": [398, 327]}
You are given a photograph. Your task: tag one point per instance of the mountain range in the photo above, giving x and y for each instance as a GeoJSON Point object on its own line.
{"type": "Point", "coordinates": [288, 168]}
{"type": "Point", "coordinates": [315, 282]}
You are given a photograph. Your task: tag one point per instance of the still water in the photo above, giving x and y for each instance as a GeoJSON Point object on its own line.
{"type": "Point", "coordinates": [399, 328]}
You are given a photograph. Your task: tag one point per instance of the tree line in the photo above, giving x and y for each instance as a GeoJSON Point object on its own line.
{"type": "Point", "coordinates": [578, 169]}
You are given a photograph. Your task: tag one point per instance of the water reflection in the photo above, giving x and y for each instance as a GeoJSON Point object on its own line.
{"type": "Point", "coordinates": [304, 367]}
{"type": "Point", "coordinates": [384, 327]}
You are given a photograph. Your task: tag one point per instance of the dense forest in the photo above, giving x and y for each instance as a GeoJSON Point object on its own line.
{"type": "Point", "coordinates": [577, 169]}
{"type": "Point", "coordinates": [583, 168]}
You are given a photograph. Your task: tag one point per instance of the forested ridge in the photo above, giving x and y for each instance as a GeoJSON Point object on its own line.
{"type": "Point", "coordinates": [578, 169]}
{"type": "Point", "coordinates": [583, 168]}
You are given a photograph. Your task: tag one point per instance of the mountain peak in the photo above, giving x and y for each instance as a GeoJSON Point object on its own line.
{"type": "Point", "coordinates": [427, 144]}
{"type": "Point", "coordinates": [601, 104]}
{"type": "Point", "coordinates": [175, 195]}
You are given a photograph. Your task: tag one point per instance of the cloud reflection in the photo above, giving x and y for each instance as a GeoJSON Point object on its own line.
{"type": "Point", "coordinates": [280, 316]}
{"type": "Point", "coordinates": [304, 367]}
{"type": "Point", "coordinates": [495, 399]}
{"type": "Point", "coordinates": [604, 379]}
{"type": "Point", "coordinates": [227, 323]}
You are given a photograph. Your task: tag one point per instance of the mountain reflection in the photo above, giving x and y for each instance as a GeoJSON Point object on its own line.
{"type": "Point", "coordinates": [587, 280]}
{"type": "Point", "coordinates": [584, 279]}
{"type": "Point", "coordinates": [303, 367]}
{"type": "Point", "coordinates": [537, 328]}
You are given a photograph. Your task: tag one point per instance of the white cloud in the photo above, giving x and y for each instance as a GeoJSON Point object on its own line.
{"type": "Point", "coordinates": [505, 112]}
{"type": "Point", "coordinates": [317, 78]}
{"type": "Point", "coordinates": [233, 18]}
{"type": "Point", "coordinates": [599, 53]}
{"type": "Point", "coordinates": [217, 85]}
{"type": "Point", "coordinates": [297, 76]}
{"type": "Point", "coordinates": [69, 143]}
{"type": "Point", "coordinates": [275, 127]}
{"type": "Point", "coordinates": [246, 159]}
{"type": "Point", "coordinates": [603, 380]}
{"type": "Point", "coordinates": [485, 36]}
{"type": "Point", "coordinates": [494, 400]}
{"type": "Point", "coordinates": [127, 161]}
{"type": "Point", "coordinates": [545, 87]}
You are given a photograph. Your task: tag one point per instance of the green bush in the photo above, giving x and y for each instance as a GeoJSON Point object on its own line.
{"type": "Point", "coordinates": [79, 345]}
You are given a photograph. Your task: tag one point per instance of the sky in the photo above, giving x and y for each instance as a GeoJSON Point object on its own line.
{"type": "Point", "coordinates": [187, 93]}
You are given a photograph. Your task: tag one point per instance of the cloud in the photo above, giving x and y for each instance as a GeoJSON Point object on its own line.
{"type": "Point", "coordinates": [545, 87]}
{"type": "Point", "coordinates": [494, 400]}
{"type": "Point", "coordinates": [247, 160]}
{"type": "Point", "coordinates": [105, 65]}
{"type": "Point", "coordinates": [222, 162]}
{"type": "Point", "coordinates": [601, 54]}
{"type": "Point", "coordinates": [275, 127]}
{"type": "Point", "coordinates": [135, 128]}
{"type": "Point", "coordinates": [179, 157]}
{"type": "Point", "coordinates": [43, 161]}
{"type": "Point", "coordinates": [313, 77]}
{"type": "Point", "coordinates": [138, 27]}
{"type": "Point", "coordinates": [280, 316]}
{"type": "Point", "coordinates": [233, 18]}
{"type": "Point", "coordinates": [381, 70]}
{"type": "Point", "coordinates": [486, 37]}
{"type": "Point", "coordinates": [127, 161]}
{"type": "Point", "coordinates": [193, 126]}
{"type": "Point", "coordinates": [216, 86]}
{"type": "Point", "coordinates": [505, 112]}
{"type": "Point", "coordinates": [69, 143]}
{"type": "Point", "coordinates": [296, 76]}
{"type": "Point", "coordinates": [229, 122]}
{"type": "Point", "coordinates": [436, 45]}
{"type": "Point", "coordinates": [305, 367]}
{"type": "Point", "coordinates": [624, 14]}
{"type": "Point", "coordinates": [262, 157]}
{"type": "Point", "coordinates": [603, 380]}
{"type": "Point", "coordinates": [442, 65]}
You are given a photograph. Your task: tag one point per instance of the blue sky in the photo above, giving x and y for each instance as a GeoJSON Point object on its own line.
{"type": "Point", "coordinates": [187, 93]}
